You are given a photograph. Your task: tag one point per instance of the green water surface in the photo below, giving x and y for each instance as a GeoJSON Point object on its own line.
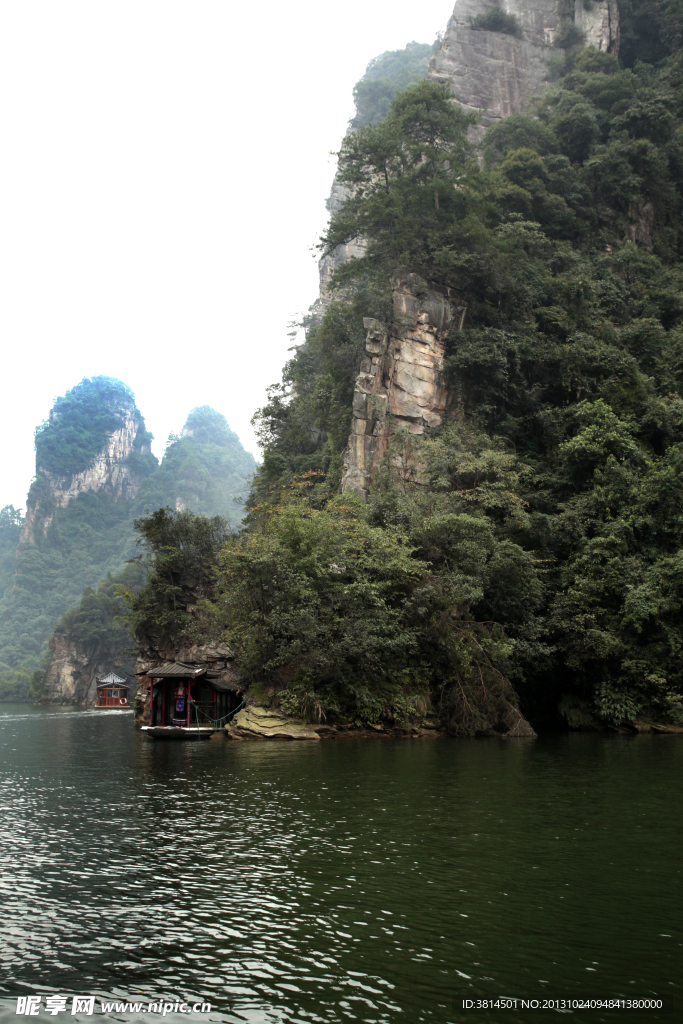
{"type": "Point", "coordinates": [373, 881]}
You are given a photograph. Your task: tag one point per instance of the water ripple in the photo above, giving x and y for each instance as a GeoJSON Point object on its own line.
{"type": "Point", "coordinates": [347, 881]}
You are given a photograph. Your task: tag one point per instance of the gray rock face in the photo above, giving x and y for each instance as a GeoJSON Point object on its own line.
{"type": "Point", "coordinates": [400, 381]}
{"type": "Point", "coordinates": [495, 74]}
{"type": "Point", "coordinates": [73, 672]}
{"type": "Point", "coordinates": [342, 254]}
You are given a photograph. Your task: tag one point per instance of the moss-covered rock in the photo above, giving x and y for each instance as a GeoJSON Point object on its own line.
{"type": "Point", "coordinates": [257, 723]}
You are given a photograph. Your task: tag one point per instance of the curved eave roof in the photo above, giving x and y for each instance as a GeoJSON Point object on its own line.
{"type": "Point", "coordinates": [175, 670]}
{"type": "Point", "coordinates": [111, 679]}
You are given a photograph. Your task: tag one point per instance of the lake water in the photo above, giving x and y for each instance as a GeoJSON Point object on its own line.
{"type": "Point", "coordinates": [371, 881]}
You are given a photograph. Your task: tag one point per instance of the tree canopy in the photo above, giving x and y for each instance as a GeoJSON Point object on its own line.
{"type": "Point", "coordinates": [551, 496]}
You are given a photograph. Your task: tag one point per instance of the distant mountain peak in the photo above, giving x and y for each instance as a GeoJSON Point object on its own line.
{"type": "Point", "coordinates": [94, 438]}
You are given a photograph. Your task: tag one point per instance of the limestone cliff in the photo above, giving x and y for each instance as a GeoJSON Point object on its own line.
{"type": "Point", "coordinates": [342, 254]}
{"type": "Point", "coordinates": [74, 670]}
{"type": "Point", "coordinates": [400, 382]}
{"type": "Point", "coordinates": [495, 74]}
{"type": "Point", "coordinates": [112, 468]}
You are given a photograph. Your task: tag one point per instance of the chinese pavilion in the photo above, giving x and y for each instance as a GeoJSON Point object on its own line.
{"type": "Point", "coordinates": [189, 701]}
{"type": "Point", "coordinates": [112, 692]}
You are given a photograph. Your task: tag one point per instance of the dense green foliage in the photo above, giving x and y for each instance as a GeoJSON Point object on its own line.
{"type": "Point", "coordinates": [97, 625]}
{"type": "Point", "coordinates": [10, 531]}
{"type": "Point", "coordinates": [339, 615]}
{"type": "Point", "coordinates": [403, 202]}
{"type": "Point", "coordinates": [385, 76]}
{"type": "Point", "coordinates": [180, 552]}
{"type": "Point", "coordinates": [97, 628]}
{"type": "Point", "coordinates": [206, 469]}
{"type": "Point", "coordinates": [565, 454]}
{"type": "Point", "coordinates": [92, 538]}
{"type": "Point", "coordinates": [650, 30]}
{"type": "Point", "coordinates": [79, 423]}
{"type": "Point", "coordinates": [310, 434]}
{"type": "Point", "coordinates": [497, 20]}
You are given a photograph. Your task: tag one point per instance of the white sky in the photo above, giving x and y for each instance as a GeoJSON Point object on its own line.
{"type": "Point", "coordinates": [164, 172]}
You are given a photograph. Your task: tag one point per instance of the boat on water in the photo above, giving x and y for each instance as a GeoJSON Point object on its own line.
{"type": "Point", "coordinates": [112, 693]}
{"type": "Point", "coordinates": [188, 702]}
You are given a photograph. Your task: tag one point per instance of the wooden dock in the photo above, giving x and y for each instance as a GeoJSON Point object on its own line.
{"type": "Point", "coordinates": [179, 732]}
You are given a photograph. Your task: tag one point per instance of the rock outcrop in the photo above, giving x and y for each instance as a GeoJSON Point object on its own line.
{"type": "Point", "coordinates": [110, 469]}
{"type": "Point", "coordinates": [74, 670]}
{"type": "Point", "coordinates": [400, 384]}
{"type": "Point", "coordinates": [258, 723]}
{"type": "Point", "coordinates": [495, 74]}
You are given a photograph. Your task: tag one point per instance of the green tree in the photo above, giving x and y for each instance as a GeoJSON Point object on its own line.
{"type": "Point", "coordinates": [332, 616]}
{"type": "Point", "coordinates": [180, 552]}
{"type": "Point", "coordinates": [400, 173]}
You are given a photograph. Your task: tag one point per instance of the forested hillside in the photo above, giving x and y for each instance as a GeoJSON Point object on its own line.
{"type": "Point", "coordinates": [386, 76]}
{"type": "Point", "coordinates": [531, 544]}
{"type": "Point", "coordinates": [71, 548]}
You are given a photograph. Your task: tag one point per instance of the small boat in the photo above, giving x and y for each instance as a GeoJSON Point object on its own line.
{"type": "Point", "coordinates": [112, 693]}
{"type": "Point", "coordinates": [178, 732]}
{"type": "Point", "coordinates": [187, 702]}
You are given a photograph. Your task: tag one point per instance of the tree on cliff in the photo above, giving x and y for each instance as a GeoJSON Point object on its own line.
{"type": "Point", "coordinates": [401, 174]}
{"type": "Point", "coordinates": [566, 371]}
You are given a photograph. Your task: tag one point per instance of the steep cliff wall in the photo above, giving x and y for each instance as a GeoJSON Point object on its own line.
{"type": "Point", "coordinates": [384, 76]}
{"type": "Point", "coordinates": [342, 254]}
{"type": "Point", "coordinates": [400, 384]}
{"type": "Point", "coordinates": [73, 672]}
{"type": "Point", "coordinates": [496, 73]}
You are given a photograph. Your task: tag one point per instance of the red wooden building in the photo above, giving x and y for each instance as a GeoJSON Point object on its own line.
{"type": "Point", "coordinates": [189, 701]}
{"type": "Point", "coordinates": [112, 692]}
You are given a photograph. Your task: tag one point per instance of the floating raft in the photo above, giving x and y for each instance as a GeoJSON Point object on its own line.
{"type": "Point", "coordinates": [179, 732]}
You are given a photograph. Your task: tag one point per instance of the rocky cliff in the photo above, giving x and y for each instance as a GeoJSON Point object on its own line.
{"type": "Point", "coordinates": [342, 254]}
{"type": "Point", "coordinates": [493, 73]}
{"type": "Point", "coordinates": [73, 671]}
{"type": "Point", "coordinates": [112, 468]}
{"type": "Point", "coordinates": [496, 73]}
{"type": "Point", "coordinates": [399, 386]}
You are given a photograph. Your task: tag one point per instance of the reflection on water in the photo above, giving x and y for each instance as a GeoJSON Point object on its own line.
{"type": "Point", "coordinates": [337, 881]}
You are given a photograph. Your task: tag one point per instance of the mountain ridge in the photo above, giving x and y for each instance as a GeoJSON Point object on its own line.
{"type": "Point", "coordinates": [95, 474]}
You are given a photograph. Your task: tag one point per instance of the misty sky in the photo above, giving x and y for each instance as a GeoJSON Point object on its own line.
{"type": "Point", "coordinates": [165, 167]}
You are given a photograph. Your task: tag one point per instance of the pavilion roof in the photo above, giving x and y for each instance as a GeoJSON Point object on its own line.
{"type": "Point", "coordinates": [176, 670]}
